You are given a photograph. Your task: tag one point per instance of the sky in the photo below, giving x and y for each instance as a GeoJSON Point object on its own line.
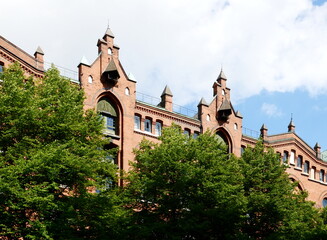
{"type": "Point", "coordinates": [273, 52]}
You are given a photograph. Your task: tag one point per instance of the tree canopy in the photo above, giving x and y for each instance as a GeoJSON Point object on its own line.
{"type": "Point", "coordinates": [57, 181]}
{"type": "Point", "coordinates": [186, 188]}
{"type": "Point", "coordinates": [52, 160]}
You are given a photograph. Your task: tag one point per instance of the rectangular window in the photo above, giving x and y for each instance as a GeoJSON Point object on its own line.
{"type": "Point", "coordinates": [137, 122]}
{"type": "Point", "coordinates": [158, 128]}
{"type": "Point", "coordinates": [187, 132]}
{"type": "Point", "coordinates": [322, 176]}
{"type": "Point", "coordinates": [313, 173]}
{"type": "Point", "coordinates": [292, 158]}
{"type": "Point", "coordinates": [299, 162]}
{"type": "Point", "coordinates": [110, 124]}
{"type": "Point", "coordinates": [285, 157]}
{"type": "Point", "coordinates": [242, 149]}
{"type": "Point", "coordinates": [306, 167]}
{"type": "Point", "coordinates": [195, 135]}
{"type": "Point", "coordinates": [147, 125]}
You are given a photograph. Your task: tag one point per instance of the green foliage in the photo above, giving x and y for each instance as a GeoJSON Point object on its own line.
{"type": "Point", "coordinates": [276, 209]}
{"type": "Point", "coordinates": [185, 188]}
{"type": "Point", "coordinates": [51, 161]}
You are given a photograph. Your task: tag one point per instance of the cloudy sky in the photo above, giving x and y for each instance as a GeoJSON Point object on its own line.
{"type": "Point", "coordinates": [273, 52]}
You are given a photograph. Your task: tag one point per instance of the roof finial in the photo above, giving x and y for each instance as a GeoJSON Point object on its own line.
{"type": "Point", "coordinates": [108, 24]}
{"type": "Point", "coordinates": [291, 126]}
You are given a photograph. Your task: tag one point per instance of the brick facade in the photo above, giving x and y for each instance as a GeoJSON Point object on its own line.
{"type": "Point", "coordinates": [129, 119]}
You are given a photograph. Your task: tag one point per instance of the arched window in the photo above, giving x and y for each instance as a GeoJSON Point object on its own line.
{"type": "Point", "coordinates": [322, 175]}
{"type": "Point", "coordinates": [187, 132]}
{"type": "Point", "coordinates": [306, 167]}
{"type": "Point", "coordinates": [109, 115]}
{"type": "Point", "coordinates": [292, 157]}
{"type": "Point", "coordinates": [285, 157]}
{"type": "Point", "coordinates": [299, 161]}
{"type": "Point", "coordinates": [137, 122]}
{"type": "Point", "coordinates": [223, 137]}
{"type": "Point", "coordinates": [1, 68]}
{"type": "Point", "coordinates": [324, 202]}
{"type": "Point", "coordinates": [313, 173]}
{"type": "Point", "coordinates": [158, 128]}
{"type": "Point", "coordinates": [148, 125]}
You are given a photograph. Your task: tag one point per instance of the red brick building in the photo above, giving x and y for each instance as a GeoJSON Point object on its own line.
{"type": "Point", "coordinates": [130, 116]}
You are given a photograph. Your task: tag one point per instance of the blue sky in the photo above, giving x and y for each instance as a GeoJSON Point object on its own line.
{"type": "Point", "coordinates": [273, 52]}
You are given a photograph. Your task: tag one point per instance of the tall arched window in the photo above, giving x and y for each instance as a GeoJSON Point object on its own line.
{"type": "Point", "coordinates": [109, 115]}
{"type": "Point", "coordinates": [221, 135]}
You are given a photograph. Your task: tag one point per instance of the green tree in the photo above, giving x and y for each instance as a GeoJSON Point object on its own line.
{"type": "Point", "coordinates": [185, 188]}
{"type": "Point", "coordinates": [276, 209]}
{"type": "Point", "coordinates": [51, 162]}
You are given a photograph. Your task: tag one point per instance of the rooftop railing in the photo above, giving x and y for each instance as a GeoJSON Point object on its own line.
{"type": "Point", "coordinates": [155, 102]}
{"type": "Point", "coordinates": [250, 133]}
{"type": "Point", "coordinates": [65, 72]}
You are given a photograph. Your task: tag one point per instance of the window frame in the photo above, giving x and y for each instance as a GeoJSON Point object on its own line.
{"type": "Point", "coordinates": [158, 128]}
{"type": "Point", "coordinates": [137, 122]}
{"type": "Point", "coordinates": [148, 121]}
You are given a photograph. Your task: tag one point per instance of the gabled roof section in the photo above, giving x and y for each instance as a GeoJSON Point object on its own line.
{"type": "Point", "coordinates": [111, 66]}
{"type": "Point", "coordinates": [226, 105]}
{"type": "Point", "coordinates": [167, 91]}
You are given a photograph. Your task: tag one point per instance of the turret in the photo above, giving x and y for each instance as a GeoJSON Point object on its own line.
{"type": "Point", "coordinates": [39, 58]}
{"type": "Point", "coordinates": [167, 99]}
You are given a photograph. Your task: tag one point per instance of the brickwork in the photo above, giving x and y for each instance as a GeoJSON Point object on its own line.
{"type": "Point", "coordinates": [130, 120]}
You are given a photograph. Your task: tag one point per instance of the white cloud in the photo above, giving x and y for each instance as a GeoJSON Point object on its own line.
{"type": "Point", "coordinates": [271, 110]}
{"type": "Point", "coordinates": [273, 45]}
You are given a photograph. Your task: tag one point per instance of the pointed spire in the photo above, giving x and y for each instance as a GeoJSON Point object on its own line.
{"type": "Point", "coordinates": [39, 50]}
{"type": "Point", "coordinates": [221, 75]}
{"type": "Point", "coordinates": [84, 61]}
{"type": "Point", "coordinates": [291, 126]}
{"type": "Point", "coordinates": [109, 33]}
{"type": "Point", "coordinates": [203, 102]}
{"type": "Point", "coordinates": [263, 127]}
{"type": "Point", "coordinates": [167, 91]}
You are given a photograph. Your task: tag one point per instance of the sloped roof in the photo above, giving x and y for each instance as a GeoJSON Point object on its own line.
{"type": "Point", "coordinates": [226, 105]}
{"type": "Point", "coordinates": [203, 102]}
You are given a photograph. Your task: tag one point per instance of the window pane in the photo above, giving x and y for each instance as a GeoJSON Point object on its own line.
{"type": "Point", "coordinates": [158, 128]}
{"type": "Point", "coordinates": [147, 125]}
{"type": "Point", "coordinates": [285, 157]}
{"type": "Point", "coordinates": [324, 202]}
{"type": "Point", "coordinates": [137, 122]}
{"type": "Point", "coordinates": [299, 162]}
